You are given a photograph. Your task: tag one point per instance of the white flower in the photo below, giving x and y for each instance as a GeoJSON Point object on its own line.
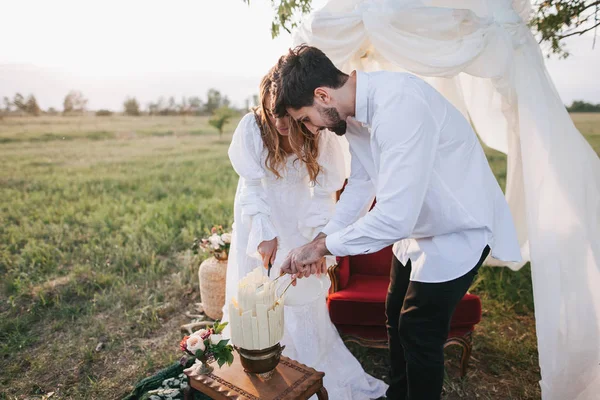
{"type": "Point", "coordinates": [215, 241]}
{"type": "Point", "coordinates": [226, 237]}
{"type": "Point", "coordinates": [195, 343]}
{"type": "Point", "coordinates": [215, 339]}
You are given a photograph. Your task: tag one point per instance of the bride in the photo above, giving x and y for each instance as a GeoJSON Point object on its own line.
{"type": "Point", "coordinates": [282, 202]}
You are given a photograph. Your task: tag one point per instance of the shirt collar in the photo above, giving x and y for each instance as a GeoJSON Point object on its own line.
{"type": "Point", "coordinates": [362, 97]}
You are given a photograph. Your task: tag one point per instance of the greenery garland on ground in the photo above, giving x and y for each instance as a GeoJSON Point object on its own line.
{"type": "Point", "coordinates": [156, 381]}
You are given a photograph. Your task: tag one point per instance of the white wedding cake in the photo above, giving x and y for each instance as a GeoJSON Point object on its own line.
{"type": "Point", "coordinates": [256, 316]}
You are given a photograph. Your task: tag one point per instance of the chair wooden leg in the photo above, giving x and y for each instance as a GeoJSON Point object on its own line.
{"type": "Point", "coordinates": [322, 394]}
{"type": "Point", "coordinates": [371, 343]}
{"type": "Point", "coordinates": [465, 343]}
{"type": "Point", "coordinates": [466, 356]}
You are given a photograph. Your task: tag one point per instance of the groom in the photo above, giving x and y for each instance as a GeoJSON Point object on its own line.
{"type": "Point", "coordinates": [437, 201]}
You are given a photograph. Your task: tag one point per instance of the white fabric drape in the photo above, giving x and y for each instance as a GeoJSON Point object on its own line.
{"type": "Point", "coordinates": [481, 55]}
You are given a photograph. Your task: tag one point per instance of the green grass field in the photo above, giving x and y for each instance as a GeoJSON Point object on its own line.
{"type": "Point", "coordinates": [97, 216]}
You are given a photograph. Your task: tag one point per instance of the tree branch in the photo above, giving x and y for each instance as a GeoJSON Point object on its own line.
{"type": "Point", "coordinates": [561, 37]}
{"type": "Point", "coordinates": [595, 3]}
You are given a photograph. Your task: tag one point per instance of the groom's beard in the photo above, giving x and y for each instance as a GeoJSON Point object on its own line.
{"type": "Point", "coordinates": [335, 123]}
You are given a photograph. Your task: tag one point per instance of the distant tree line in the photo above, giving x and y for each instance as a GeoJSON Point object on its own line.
{"type": "Point", "coordinates": [21, 105]}
{"type": "Point", "coordinates": [74, 103]}
{"type": "Point", "coordinates": [582, 106]}
{"type": "Point", "coordinates": [187, 106]}
{"type": "Point", "coordinates": [217, 106]}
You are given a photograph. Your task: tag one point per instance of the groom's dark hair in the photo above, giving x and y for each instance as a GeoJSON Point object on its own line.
{"type": "Point", "coordinates": [299, 73]}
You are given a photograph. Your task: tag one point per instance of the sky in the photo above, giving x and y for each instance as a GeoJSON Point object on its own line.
{"type": "Point", "coordinates": [111, 49]}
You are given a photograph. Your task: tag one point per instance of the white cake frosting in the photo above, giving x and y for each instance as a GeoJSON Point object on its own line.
{"type": "Point", "coordinates": [256, 317]}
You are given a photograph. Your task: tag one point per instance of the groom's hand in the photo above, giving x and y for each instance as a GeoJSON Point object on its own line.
{"type": "Point", "coordinates": [287, 266]}
{"type": "Point", "coordinates": [299, 260]}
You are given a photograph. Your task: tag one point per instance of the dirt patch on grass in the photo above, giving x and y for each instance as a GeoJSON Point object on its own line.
{"type": "Point", "coordinates": [51, 285]}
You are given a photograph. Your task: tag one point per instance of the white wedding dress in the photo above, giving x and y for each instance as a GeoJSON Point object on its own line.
{"type": "Point", "coordinates": [291, 210]}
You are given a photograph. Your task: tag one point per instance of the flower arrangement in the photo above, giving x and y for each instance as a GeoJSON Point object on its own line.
{"type": "Point", "coordinates": [207, 345]}
{"type": "Point", "coordinates": [217, 244]}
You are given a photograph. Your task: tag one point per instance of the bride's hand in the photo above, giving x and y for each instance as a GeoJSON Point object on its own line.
{"type": "Point", "coordinates": [318, 268]}
{"type": "Point", "coordinates": [322, 266]}
{"type": "Point", "coordinates": [268, 251]}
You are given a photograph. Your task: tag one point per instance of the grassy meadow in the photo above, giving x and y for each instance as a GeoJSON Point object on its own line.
{"type": "Point", "coordinates": [97, 216]}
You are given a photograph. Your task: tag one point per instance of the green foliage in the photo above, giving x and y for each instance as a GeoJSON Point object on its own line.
{"type": "Point", "coordinates": [188, 106]}
{"type": "Point", "coordinates": [511, 288]}
{"type": "Point", "coordinates": [19, 102]}
{"type": "Point", "coordinates": [223, 352]}
{"type": "Point", "coordinates": [582, 106]}
{"type": "Point", "coordinates": [555, 20]}
{"type": "Point", "coordinates": [29, 106]}
{"type": "Point", "coordinates": [155, 381]}
{"type": "Point", "coordinates": [32, 106]}
{"type": "Point", "coordinates": [221, 117]}
{"type": "Point", "coordinates": [131, 107]}
{"type": "Point", "coordinates": [200, 353]}
{"type": "Point", "coordinates": [195, 105]}
{"type": "Point", "coordinates": [74, 102]}
{"type": "Point", "coordinates": [104, 113]}
{"type": "Point", "coordinates": [219, 326]}
{"type": "Point", "coordinates": [214, 101]}
{"type": "Point", "coordinates": [287, 14]}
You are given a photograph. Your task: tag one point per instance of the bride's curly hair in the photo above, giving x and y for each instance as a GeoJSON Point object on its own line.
{"type": "Point", "coordinates": [303, 143]}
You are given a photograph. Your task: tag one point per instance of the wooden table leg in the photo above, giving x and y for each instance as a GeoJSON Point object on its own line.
{"type": "Point", "coordinates": [322, 394]}
{"type": "Point", "coordinates": [188, 393]}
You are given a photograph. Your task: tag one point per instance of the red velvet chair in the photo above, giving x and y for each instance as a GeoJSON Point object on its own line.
{"type": "Point", "coordinates": [357, 304]}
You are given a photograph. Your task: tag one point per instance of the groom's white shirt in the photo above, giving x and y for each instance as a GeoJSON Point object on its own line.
{"type": "Point", "coordinates": [437, 198]}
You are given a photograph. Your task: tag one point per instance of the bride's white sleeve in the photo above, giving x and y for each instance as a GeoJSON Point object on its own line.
{"type": "Point", "coordinates": [330, 179]}
{"type": "Point", "coordinates": [246, 155]}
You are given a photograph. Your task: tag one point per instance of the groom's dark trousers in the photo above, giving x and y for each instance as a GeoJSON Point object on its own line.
{"type": "Point", "coordinates": [418, 322]}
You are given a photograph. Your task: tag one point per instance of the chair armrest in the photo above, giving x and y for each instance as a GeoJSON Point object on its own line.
{"type": "Point", "coordinates": [333, 277]}
{"type": "Point", "coordinates": [339, 274]}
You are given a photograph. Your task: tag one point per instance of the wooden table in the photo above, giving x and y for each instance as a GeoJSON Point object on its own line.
{"type": "Point", "coordinates": [290, 380]}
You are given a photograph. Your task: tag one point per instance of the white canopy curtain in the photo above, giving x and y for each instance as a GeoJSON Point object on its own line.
{"type": "Point", "coordinates": [481, 55]}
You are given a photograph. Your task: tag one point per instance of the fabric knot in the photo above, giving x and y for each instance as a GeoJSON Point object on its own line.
{"type": "Point", "coordinates": [510, 21]}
